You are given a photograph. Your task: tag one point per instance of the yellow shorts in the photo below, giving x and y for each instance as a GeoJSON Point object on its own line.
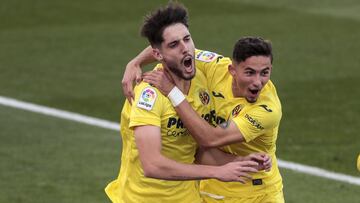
{"type": "Point", "coordinates": [277, 197]}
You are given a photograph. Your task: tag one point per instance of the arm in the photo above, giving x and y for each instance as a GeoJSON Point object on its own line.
{"type": "Point", "coordinates": [204, 134]}
{"type": "Point", "coordinates": [215, 156]}
{"type": "Point", "coordinates": [133, 71]}
{"type": "Point", "coordinates": [155, 165]}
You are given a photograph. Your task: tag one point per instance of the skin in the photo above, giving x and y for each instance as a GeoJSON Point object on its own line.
{"type": "Point", "coordinates": [177, 48]}
{"type": "Point", "coordinates": [249, 77]}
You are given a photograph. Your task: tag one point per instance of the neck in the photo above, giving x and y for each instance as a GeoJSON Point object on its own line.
{"type": "Point", "coordinates": [183, 85]}
{"type": "Point", "coordinates": [235, 89]}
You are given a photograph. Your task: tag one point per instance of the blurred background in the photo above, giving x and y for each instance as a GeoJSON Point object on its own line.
{"type": "Point", "coordinates": [71, 55]}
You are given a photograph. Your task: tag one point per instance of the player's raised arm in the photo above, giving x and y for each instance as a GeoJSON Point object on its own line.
{"type": "Point", "coordinates": [133, 71]}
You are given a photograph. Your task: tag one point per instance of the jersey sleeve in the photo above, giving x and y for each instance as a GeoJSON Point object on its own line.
{"type": "Point", "coordinates": [206, 61]}
{"type": "Point", "coordinates": [211, 64]}
{"type": "Point", "coordinates": [257, 121]}
{"type": "Point", "coordinates": [147, 107]}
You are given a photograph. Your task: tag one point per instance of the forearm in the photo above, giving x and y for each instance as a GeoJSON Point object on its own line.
{"type": "Point", "coordinates": [143, 58]}
{"type": "Point", "coordinates": [204, 134]}
{"type": "Point", "coordinates": [214, 156]}
{"type": "Point", "coordinates": [167, 169]}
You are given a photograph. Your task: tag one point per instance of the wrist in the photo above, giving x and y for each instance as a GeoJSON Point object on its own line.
{"type": "Point", "coordinates": [133, 63]}
{"type": "Point", "coordinates": [176, 96]}
{"type": "Point", "coordinates": [168, 90]}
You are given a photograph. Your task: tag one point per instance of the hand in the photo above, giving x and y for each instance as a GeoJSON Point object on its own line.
{"type": "Point", "coordinates": [263, 159]}
{"type": "Point", "coordinates": [161, 79]}
{"type": "Point", "coordinates": [132, 73]}
{"type": "Point", "coordinates": [236, 171]}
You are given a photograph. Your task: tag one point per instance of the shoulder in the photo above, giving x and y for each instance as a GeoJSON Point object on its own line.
{"type": "Point", "coordinates": [269, 96]}
{"type": "Point", "coordinates": [265, 112]}
{"type": "Point", "coordinates": [206, 56]}
{"type": "Point", "coordinates": [147, 96]}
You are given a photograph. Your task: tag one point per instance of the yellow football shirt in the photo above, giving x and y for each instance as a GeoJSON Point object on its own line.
{"type": "Point", "coordinates": [152, 108]}
{"type": "Point", "coordinates": [258, 122]}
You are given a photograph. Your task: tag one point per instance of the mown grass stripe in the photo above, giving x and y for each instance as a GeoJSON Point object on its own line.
{"type": "Point", "coordinates": [310, 170]}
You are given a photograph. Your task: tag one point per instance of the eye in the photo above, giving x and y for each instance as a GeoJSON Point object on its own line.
{"type": "Point", "coordinates": [173, 44]}
{"type": "Point", "coordinates": [249, 72]}
{"type": "Point", "coordinates": [265, 73]}
{"type": "Point", "coordinates": [187, 38]}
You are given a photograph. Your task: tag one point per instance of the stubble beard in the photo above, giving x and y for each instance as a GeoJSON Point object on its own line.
{"type": "Point", "coordinates": [174, 68]}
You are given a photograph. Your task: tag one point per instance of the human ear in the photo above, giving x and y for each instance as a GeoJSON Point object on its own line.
{"type": "Point", "coordinates": [231, 69]}
{"type": "Point", "coordinates": [157, 55]}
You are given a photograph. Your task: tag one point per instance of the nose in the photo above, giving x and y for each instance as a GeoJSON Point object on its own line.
{"type": "Point", "coordinates": [184, 47]}
{"type": "Point", "coordinates": [257, 81]}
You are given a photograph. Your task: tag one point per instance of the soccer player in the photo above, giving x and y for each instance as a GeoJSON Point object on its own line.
{"type": "Point", "coordinates": [246, 110]}
{"type": "Point", "coordinates": [156, 145]}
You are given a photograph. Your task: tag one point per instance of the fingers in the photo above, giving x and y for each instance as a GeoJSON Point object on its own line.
{"type": "Point", "coordinates": [248, 163]}
{"type": "Point", "coordinates": [128, 90]}
{"type": "Point", "coordinates": [150, 77]}
{"type": "Point", "coordinates": [267, 165]}
{"type": "Point", "coordinates": [257, 157]}
{"type": "Point", "coordinates": [138, 78]}
{"type": "Point", "coordinates": [245, 175]}
{"type": "Point", "coordinates": [248, 169]}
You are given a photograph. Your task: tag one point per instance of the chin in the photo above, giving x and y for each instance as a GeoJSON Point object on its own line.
{"type": "Point", "coordinates": [189, 76]}
{"type": "Point", "coordinates": [251, 100]}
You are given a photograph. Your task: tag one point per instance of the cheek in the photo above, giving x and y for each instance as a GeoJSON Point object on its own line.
{"type": "Point", "coordinates": [243, 81]}
{"type": "Point", "coordinates": [242, 78]}
{"type": "Point", "coordinates": [265, 80]}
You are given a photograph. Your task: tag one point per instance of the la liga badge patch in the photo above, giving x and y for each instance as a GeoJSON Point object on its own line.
{"type": "Point", "coordinates": [147, 98]}
{"type": "Point", "coordinates": [206, 56]}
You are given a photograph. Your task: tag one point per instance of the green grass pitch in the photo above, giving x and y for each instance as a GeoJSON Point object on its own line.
{"type": "Point", "coordinates": [71, 54]}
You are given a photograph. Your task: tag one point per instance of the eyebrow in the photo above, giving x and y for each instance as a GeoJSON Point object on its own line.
{"type": "Point", "coordinates": [188, 35]}
{"type": "Point", "coordinates": [249, 68]}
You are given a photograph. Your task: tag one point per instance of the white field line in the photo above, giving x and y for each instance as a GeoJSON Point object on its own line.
{"type": "Point", "coordinates": [59, 113]}
{"type": "Point", "coordinates": [315, 171]}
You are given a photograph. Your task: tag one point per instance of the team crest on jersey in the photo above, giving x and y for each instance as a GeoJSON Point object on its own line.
{"type": "Point", "coordinates": [206, 56]}
{"type": "Point", "coordinates": [147, 98]}
{"type": "Point", "coordinates": [236, 111]}
{"type": "Point", "coordinates": [204, 97]}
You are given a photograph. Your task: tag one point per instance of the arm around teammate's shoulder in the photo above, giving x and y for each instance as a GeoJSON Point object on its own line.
{"type": "Point", "coordinates": [205, 134]}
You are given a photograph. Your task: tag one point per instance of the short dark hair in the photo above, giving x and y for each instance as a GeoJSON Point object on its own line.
{"type": "Point", "coordinates": [247, 47]}
{"type": "Point", "coordinates": [157, 21]}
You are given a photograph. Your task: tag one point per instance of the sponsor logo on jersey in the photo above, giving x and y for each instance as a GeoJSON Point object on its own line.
{"type": "Point", "coordinates": [206, 56]}
{"type": "Point", "coordinates": [176, 128]}
{"type": "Point", "coordinates": [217, 94]}
{"type": "Point", "coordinates": [254, 122]}
{"type": "Point", "coordinates": [266, 108]}
{"type": "Point", "coordinates": [236, 110]}
{"type": "Point", "coordinates": [216, 120]}
{"type": "Point", "coordinates": [179, 129]}
{"type": "Point", "coordinates": [204, 97]}
{"type": "Point", "coordinates": [147, 98]}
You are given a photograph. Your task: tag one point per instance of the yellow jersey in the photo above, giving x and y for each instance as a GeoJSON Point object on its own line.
{"type": "Point", "coordinates": [258, 122]}
{"type": "Point", "coordinates": [152, 108]}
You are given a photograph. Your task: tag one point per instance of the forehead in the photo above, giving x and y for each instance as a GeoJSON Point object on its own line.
{"type": "Point", "coordinates": [175, 32]}
{"type": "Point", "coordinates": [256, 62]}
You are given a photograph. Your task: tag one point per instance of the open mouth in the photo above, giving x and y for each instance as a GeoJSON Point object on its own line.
{"type": "Point", "coordinates": [187, 61]}
{"type": "Point", "coordinates": [254, 91]}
